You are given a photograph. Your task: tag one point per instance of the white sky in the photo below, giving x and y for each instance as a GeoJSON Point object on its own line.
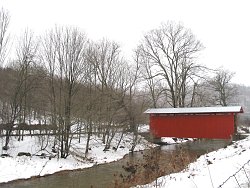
{"type": "Point", "coordinates": [222, 26]}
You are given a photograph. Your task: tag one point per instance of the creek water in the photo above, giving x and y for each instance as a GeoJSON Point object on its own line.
{"type": "Point", "coordinates": [105, 175]}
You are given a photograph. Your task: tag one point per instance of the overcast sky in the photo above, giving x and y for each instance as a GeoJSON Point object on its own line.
{"type": "Point", "coordinates": [223, 26]}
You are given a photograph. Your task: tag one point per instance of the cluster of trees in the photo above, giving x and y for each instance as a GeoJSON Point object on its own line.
{"type": "Point", "coordinates": [168, 58]}
{"type": "Point", "coordinates": [75, 84]}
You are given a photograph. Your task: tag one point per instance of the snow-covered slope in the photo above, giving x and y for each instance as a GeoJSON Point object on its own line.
{"type": "Point", "coordinates": [213, 169]}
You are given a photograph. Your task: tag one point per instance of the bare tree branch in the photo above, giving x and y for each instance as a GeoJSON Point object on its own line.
{"type": "Point", "coordinates": [4, 36]}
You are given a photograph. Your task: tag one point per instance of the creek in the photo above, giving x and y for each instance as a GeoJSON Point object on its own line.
{"type": "Point", "coordinates": [137, 168]}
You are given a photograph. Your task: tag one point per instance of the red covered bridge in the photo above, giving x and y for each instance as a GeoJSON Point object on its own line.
{"type": "Point", "coordinates": [201, 122]}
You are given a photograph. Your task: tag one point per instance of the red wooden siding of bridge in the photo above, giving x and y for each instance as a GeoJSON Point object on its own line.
{"type": "Point", "coordinates": [192, 123]}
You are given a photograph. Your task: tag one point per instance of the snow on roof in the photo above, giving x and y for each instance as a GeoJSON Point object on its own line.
{"type": "Point", "coordinates": [196, 110]}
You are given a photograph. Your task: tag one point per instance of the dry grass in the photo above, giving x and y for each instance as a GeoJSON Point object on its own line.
{"type": "Point", "coordinates": [151, 166]}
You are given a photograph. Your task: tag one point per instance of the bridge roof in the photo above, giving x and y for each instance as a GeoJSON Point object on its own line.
{"type": "Point", "coordinates": [195, 110]}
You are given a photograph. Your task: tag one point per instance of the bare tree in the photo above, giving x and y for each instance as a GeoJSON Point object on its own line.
{"type": "Point", "coordinates": [107, 66]}
{"type": "Point", "coordinates": [114, 82]}
{"type": "Point", "coordinates": [88, 98]}
{"type": "Point", "coordinates": [48, 55]}
{"type": "Point", "coordinates": [129, 103]}
{"type": "Point", "coordinates": [23, 83]}
{"type": "Point", "coordinates": [26, 61]}
{"type": "Point", "coordinates": [201, 94]}
{"type": "Point", "coordinates": [171, 50]}
{"type": "Point", "coordinates": [4, 36]}
{"type": "Point", "coordinates": [147, 72]}
{"type": "Point", "coordinates": [222, 86]}
{"type": "Point", "coordinates": [65, 60]}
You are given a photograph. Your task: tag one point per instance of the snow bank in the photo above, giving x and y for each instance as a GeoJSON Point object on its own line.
{"type": "Point", "coordinates": [23, 167]}
{"type": "Point", "coordinates": [213, 169]}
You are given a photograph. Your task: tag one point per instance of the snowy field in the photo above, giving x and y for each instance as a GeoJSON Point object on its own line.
{"type": "Point", "coordinates": [213, 169]}
{"type": "Point", "coordinates": [23, 167]}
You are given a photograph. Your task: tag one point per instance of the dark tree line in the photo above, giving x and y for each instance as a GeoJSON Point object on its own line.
{"type": "Point", "coordinates": [79, 86]}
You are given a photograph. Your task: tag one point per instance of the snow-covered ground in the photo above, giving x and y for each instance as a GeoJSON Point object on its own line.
{"type": "Point", "coordinates": [210, 170]}
{"type": "Point", "coordinates": [22, 167]}
{"type": "Point", "coordinates": [213, 169]}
